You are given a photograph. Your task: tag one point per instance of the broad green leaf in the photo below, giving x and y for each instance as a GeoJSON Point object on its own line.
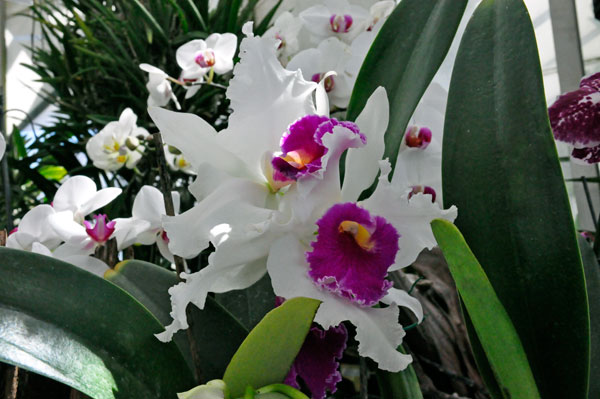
{"type": "Point", "coordinates": [403, 384]}
{"type": "Point", "coordinates": [501, 169]}
{"type": "Point", "coordinates": [492, 324]}
{"type": "Point", "coordinates": [216, 332]}
{"type": "Point", "coordinates": [592, 281]}
{"type": "Point", "coordinates": [250, 305]}
{"type": "Point", "coordinates": [52, 172]}
{"type": "Point", "coordinates": [404, 57]}
{"type": "Point", "coordinates": [67, 324]}
{"type": "Point", "coordinates": [266, 355]}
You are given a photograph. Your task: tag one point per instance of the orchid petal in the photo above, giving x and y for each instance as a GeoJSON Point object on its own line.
{"type": "Point", "coordinates": [362, 164]}
{"type": "Point", "coordinates": [403, 298]}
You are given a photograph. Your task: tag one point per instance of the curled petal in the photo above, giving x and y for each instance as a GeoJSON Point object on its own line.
{"type": "Point", "coordinates": [575, 117]}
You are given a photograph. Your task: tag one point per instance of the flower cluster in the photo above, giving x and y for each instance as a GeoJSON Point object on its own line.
{"type": "Point", "coordinates": [269, 199]}
{"type": "Point", "coordinates": [330, 37]}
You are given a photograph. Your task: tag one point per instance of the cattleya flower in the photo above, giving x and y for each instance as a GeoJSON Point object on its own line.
{"type": "Point", "coordinates": [330, 55]}
{"type": "Point", "coordinates": [159, 87]}
{"type": "Point", "coordinates": [200, 57]}
{"type": "Point", "coordinates": [118, 143]}
{"type": "Point", "coordinates": [271, 180]}
{"type": "Point", "coordinates": [575, 119]}
{"type": "Point", "coordinates": [145, 224]}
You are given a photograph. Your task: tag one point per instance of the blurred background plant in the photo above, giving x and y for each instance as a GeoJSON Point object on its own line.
{"type": "Point", "coordinates": [90, 65]}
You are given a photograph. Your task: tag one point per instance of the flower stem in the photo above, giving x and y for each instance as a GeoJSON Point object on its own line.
{"type": "Point", "coordinates": [165, 182]}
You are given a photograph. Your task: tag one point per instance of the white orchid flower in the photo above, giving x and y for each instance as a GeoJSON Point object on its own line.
{"type": "Point", "coordinates": [200, 57]}
{"type": "Point", "coordinates": [336, 18]}
{"type": "Point", "coordinates": [315, 63]}
{"type": "Point", "coordinates": [117, 144]}
{"type": "Point", "coordinates": [286, 29]}
{"type": "Point", "coordinates": [356, 245]}
{"type": "Point", "coordinates": [275, 138]}
{"type": "Point", "coordinates": [79, 196]}
{"type": "Point", "coordinates": [74, 256]}
{"type": "Point", "coordinates": [145, 224]}
{"type": "Point", "coordinates": [159, 87]}
{"type": "Point", "coordinates": [34, 228]}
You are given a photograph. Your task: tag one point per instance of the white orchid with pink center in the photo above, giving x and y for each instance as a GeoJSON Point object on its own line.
{"type": "Point", "coordinates": [118, 144]}
{"type": "Point", "coordinates": [199, 58]}
{"type": "Point", "coordinates": [271, 180]}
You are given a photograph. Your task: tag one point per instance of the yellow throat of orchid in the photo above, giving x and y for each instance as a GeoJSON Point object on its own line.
{"type": "Point", "coordinates": [358, 231]}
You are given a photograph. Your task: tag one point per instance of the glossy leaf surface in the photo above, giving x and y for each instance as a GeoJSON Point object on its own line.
{"type": "Point", "coordinates": [70, 325]}
{"type": "Point", "coordinates": [501, 169]}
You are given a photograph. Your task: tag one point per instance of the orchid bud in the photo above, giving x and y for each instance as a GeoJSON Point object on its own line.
{"type": "Point", "coordinates": [132, 143]}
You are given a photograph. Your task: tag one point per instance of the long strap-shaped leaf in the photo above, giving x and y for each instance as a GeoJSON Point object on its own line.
{"type": "Point", "coordinates": [501, 169]}
{"type": "Point", "coordinates": [65, 323]}
{"type": "Point", "coordinates": [492, 324]}
{"type": "Point", "coordinates": [404, 57]}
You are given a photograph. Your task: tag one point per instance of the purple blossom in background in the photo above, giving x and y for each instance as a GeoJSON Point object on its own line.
{"type": "Point", "coordinates": [575, 119]}
{"type": "Point", "coordinates": [317, 363]}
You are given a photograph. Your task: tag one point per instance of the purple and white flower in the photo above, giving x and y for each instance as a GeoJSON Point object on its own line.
{"type": "Point", "coordinates": [575, 119]}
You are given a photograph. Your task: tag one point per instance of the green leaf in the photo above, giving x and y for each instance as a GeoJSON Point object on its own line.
{"type": "Point", "coordinates": [403, 384]}
{"type": "Point", "coordinates": [19, 142]}
{"type": "Point", "coordinates": [251, 304]}
{"type": "Point", "coordinates": [404, 57]}
{"type": "Point", "coordinates": [592, 281]}
{"type": "Point", "coordinates": [67, 324]}
{"type": "Point", "coordinates": [52, 172]}
{"type": "Point", "coordinates": [492, 324]}
{"type": "Point", "coordinates": [150, 20]}
{"type": "Point", "coordinates": [266, 355]}
{"type": "Point", "coordinates": [501, 169]}
{"type": "Point", "coordinates": [216, 332]}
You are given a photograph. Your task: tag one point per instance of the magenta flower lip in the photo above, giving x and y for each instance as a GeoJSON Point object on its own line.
{"type": "Point", "coordinates": [302, 147]}
{"type": "Point", "coordinates": [340, 23]}
{"type": "Point", "coordinates": [205, 59]}
{"type": "Point", "coordinates": [101, 231]}
{"type": "Point", "coordinates": [416, 137]}
{"type": "Point", "coordinates": [352, 254]}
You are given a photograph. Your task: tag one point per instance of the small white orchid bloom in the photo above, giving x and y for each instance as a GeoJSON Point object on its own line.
{"type": "Point", "coordinates": [84, 238]}
{"type": "Point", "coordinates": [118, 143]}
{"type": "Point", "coordinates": [177, 161]}
{"type": "Point", "coordinates": [286, 29]}
{"type": "Point", "coordinates": [336, 18]}
{"type": "Point", "coordinates": [145, 224]}
{"type": "Point", "coordinates": [74, 256]}
{"type": "Point", "coordinates": [198, 57]}
{"type": "Point", "coordinates": [78, 196]}
{"type": "Point", "coordinates": [330, 55]}
{"type": "Point", "coordinates": [159, 87]}
{"type": "Point", "coordinates": [34, 228]}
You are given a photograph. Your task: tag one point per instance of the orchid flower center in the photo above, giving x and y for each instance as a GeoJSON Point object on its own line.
{"type": "Point", "coordinates": [206, 58]}
{"type": "Point", "coordinates": [164, 237]}
{"type": "Point", "coordinates": [416, 137]}
{"type": "Point", "coordinates": [329, 81]}
{"type": "Point", "coordinates": [340, 23]}
{"type": "Point", "coordinates": [112, 147]}
{"type": "Point", "coordinates": [352, 253]}
{"type": "Point", "coordinates": [101, 231]}
{"type": "Point", "coordinates": [302, 149]}
{"type": "Point", "coordinates": [282, 42]}
{"type": "Point", "coordinates": [424, 190]}
{"type": "Point", "coordinates": [359, 232]}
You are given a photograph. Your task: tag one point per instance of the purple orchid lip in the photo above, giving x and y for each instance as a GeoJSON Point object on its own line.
{"type": "Point", "coordinates": [340, 23]}
{"type": "Point", "coordinates": [416, 137]}
{"type": "Point", "coordinates": [302, 148]}
{"type": "Point", "coordinates": [352, 254]}
{"type": "Point", "coordinates": [575, 119]}
{"type": "Point", "coordinates": [317, 362]}
{"type": "Point", "coordinates": [424, 190]}
{"type": "Point", "coordinates": [205, 58]}
{"type": "Point", "coordinates": [101, 231]}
